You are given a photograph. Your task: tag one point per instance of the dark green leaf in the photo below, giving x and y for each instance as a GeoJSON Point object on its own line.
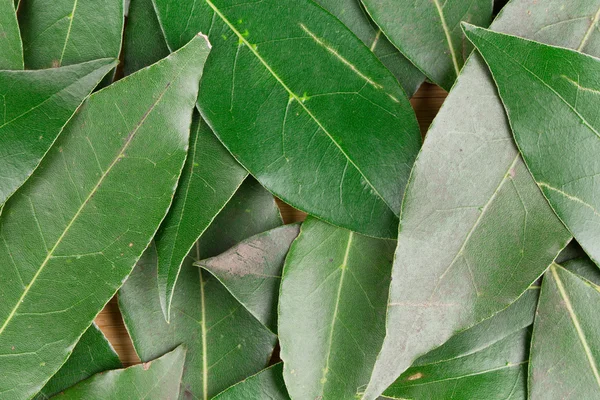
{"type": "Point", "coordinates": [267, 384]}
{"type": "Point", "coordinates": [92, 354]}
{"type": "Point", "coordinates": [159, 379]}
{"type": "Point", "coordinates": [11, 49]}
{"type": "Point", "coordinates": [354, 16]}
{"type": "Point", "coordinates": [74, 231]}
{"type": "Point", "coordinates": [332, 310]}
{"type": "Point", "coordinates": [573, 250]}
{"type": "Point", "coordinates": [551, 95]}
{"type": "Point", "coordinates": [304, 105]}
{"type": "Point", "coordinates": [428, 32]}
{"type": "Point", "coordinates": [251, 271]}
{"type": "Point", "coordinates": [452, 211]}
{"type": "Point", "coordinates": [583, 267]}
{"type": "Point", "coordinates": [565, 347]}
{"type": "Point", "coordinates": [225, 342]}
{"type": "Point", "coordinates": [37, 104]}
{"type": "Point", "coordinates": [64, 32]}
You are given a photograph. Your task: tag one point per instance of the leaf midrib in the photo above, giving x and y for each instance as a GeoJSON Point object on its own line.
{"type": "Point", "coordinates": [440, 11]}
{"type": "Point", "coordinates": [62, 55]}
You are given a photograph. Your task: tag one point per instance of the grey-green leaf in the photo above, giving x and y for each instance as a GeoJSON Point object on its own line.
{"type": "Point", "coordinates": [332, 310]}
{"type": "Point", "coordinates": [251, 271]}
{"type": "Point", "coordinates": [92, 354]}
{"type": "Point", "coordinates": [354, 16]}
{"type": "Point", "coordinates": [551, 95]}
{"type": "Point", "coordinates": [11, 49]}
{"type": "Point", "coordinates": [75, 229]}
{"type": "Point", "coordinates": [508, 237]}
{"type": "Point", "coordinates": [303, 104]}
{"type": "Point", "coordinates": [210, 178]}
{"type": "Point", "coordinates": [428, 32]}
{"type": "Point", "coordinates": [267, 384]}
{"type": "Point", "coordinates": [225, 342]}
{"type": "Point", "coordinates": [488, 361]}
{"type": "Point", "coordinates": [37, 104]}
{"type": "Point", "coordinates": [583, 267]}
{"type": "Point", "coordinates": [64, 32]}
{"type": "Point", "coordinates": [565, 347]}
{"type": "Point", "coordinates": [155, 380]}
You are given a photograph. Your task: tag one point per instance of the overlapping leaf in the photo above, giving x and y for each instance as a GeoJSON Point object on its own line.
{"type": "Point", "coordinates": [73, 232]}
{"type": "Point", "coordinates": [267, 384]}
{"type": "Point", "coordinates": [428, 32]}
{"type": "Point", "coordinates": [565, 347]}
{"type": "Point", "coordinates": [551, 95]}
{"type": "Point", "coordinates": [304, 105]}
{"type": "Point", "coordinates": [471, 203]}
{"type": "Point", "coordinates": [158, 379]}
{"type": "Point", "coordinates": [583, 267]}
{"type": "Point", "coordinates": [11, 49]}
{"type": "Point", "coordinates": [36, 105]}
{"type": "Point", "coordinates": [332, 310]}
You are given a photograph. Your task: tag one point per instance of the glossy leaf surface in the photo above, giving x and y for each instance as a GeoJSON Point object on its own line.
{"type": "Point", "coordinates": [565, 347]}
{"type": "Point", "coordinates": [65, 32]}
{"type": "Point", "coordinates": [428, 32]}
{"type": "Point", "coordinates": [98, 171]}
{"type": "Point", "coordinates": [267, 384]}
{"type": "Point", "coordinates": [37, 104]}
{"type": "Point", "coordinates": [488, 361]}
{"type": "Point", "coordinates": [92, 354]}
{"type": "Point", "coordinates": [353, 15]}
{"type": "Point", "coordinates": [11, 49]}
{"type": "Point", "coordinates": [332, 310]}
{"type": "Point", "coordinates": [452, 207]}
{"type": "Point", "coordinates": [225, 342]}
{"type": "Point", "coordinates": [551, 96]}
{"type": "Point", "coordinates": [155, 380]}
{"type": "Point", "coordinates": [303, 104]}
{"type": "Point", "coordinates": [251, 271]}
{"type": "Point", "coordinates": [210, 177]}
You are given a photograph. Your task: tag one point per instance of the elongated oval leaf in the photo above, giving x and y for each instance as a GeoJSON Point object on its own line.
{"type": "Point", "coordinates": [488, 361]}
{"type": "Point", "coordinates": [218, 331]}
{"type": "Point", "coordinates": [64, 32]}
{"type": "Point", "coordinates": [37, 104]}
{"type": "Point", "coordinates": [566, 339]}
{"type": "Point", "coordinates": [304, 105]}
{"type": "Point", "coordinates": [452, 208]}
{"type": "Point", "coordinates": [92, 354]}
{"type": "Point", "coordinates": [251, 271]}
{"type": "Point", "coordinates": [210, 177]}
{"type": "Point", "coordinates": [74, 231]}
{"type": "Point", "coordinates": [428, 32]}
{"type": "Point", "coordinates": [332, 310]}
{"type": "Point", "coordinates": [267, 384]}
{"type": "Point", "coordinates": [551, 96]}
{"type": "Point", "coordinates": [158, 379]}
{"type": "Point", "coordinates": [354, 16]}
{"type": "Point", "coordinates": [11, 49]}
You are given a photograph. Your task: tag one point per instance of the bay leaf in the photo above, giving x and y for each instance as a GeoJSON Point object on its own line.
{"type": "Point", "coordinates": [551, 95]}
{"type": "Point", "coordinates": [92, 354]}
{"type": "Point", "coordinates": [487, 361]}
{"type": "Point", "coordinates": [267, 384]}
{"type": "Point", "coordinates": [229, 344]}
{"type": "Point", "coordinates": [583, 267]}
{"type": "Point", "coordinates": [428, 32]}
{"type": "Point", "coordinates": [251, 271]}
{"type": "Point", "coordinates": [75, 229]}
{"type": "Point", "coordinates": [65, 32]}
{"type": "Point", "coordinates": [37, 104]}
{"type": "Point", "coordinates": [353, 15]}
{"type": "Point", "coordinates": [303, 104]}
{"type": "Point", "coordinates": [158, 379]}
{"type": "Point", "coordinates": [566, 339]}
{"type": "Point", "coordinates": [11, 48]}
{"type": "Point", "coordinates": [453, 209]}
{"type": "Point", "coordinates": [332, 278]}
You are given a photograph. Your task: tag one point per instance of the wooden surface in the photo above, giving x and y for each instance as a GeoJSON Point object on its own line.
{"type": "Point", "coordinates": [426, 102]}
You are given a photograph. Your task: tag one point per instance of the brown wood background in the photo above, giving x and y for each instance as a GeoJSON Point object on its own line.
{"type": "Point", "coordinates": [426, 102]}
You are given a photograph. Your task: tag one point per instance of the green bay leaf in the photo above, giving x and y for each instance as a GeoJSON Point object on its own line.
{"type": "Point", "coordinates": [583, 267]}
{"type": "Point", "coordinates": [267, 384]}
{"type": "Point", "coordinates": [75, 229]}
{"type": "Point", "coordinates": [11, 48]}
{"type": "Point", "coordinates": [428, 32]}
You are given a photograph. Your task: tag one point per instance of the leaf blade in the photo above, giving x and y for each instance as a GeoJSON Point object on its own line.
{"type": "Point", "coordinates": [268, 383]}
{"type": "Point", "coordinates": [11, 48]}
